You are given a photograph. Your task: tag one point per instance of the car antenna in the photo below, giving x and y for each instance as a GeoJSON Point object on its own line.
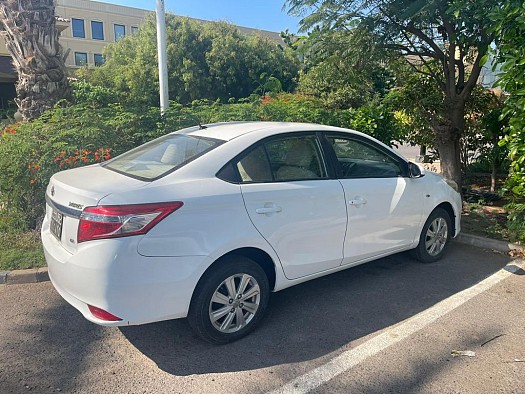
{"type": "Point", "coordinates": [198, 121]}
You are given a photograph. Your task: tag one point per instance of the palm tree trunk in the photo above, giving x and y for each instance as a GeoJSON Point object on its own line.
{"type": "Point", "coordinates": [29, 28]}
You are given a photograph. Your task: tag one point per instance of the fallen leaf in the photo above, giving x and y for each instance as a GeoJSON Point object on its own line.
{"type": "Point", "coordinates": [458, 353]}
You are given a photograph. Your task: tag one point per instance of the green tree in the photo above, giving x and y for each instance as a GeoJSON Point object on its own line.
{"type": "Point", "coordinates": [344, 68]}
{"type": "Point", "coordinates": [447, 40]}
{"type": "Point", "coordinates": [510, 28]}
{"type": "Point", "coordinates": [418, 104]}
{"type": "Point", "coordinates": [485, 128]}
{"type": "Point", "coordinates": [205, 61]}
{"type": "Point", "coordinates": [268, 84]}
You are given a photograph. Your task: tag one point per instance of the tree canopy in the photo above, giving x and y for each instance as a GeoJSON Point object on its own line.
{"type": "Point", "coordinates": [447, 40]}
{"type": "Point", "coordinates": [206, 60]}
{"type": "Point", "coordinates": [344, 68]}
{"type": "Point", "coordinates": [510, 28]}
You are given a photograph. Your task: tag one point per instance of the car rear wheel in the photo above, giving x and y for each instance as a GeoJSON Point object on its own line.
{"type": "Point", "coordinates": [229, 301]}
{"type": "Point", "coordinates": [435, 237]}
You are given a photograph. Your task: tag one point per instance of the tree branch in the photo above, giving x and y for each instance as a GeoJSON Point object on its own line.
{"type": "Point", "coordinates": [419, 54]}
{"type": "Point", "coordinates": [414, 52]}
{"type": "Point", "coordinates": [451, 66]}
{"type": "Point", "coordinates": [461, 68]}
{"type": "Point", "coordinates": [423, 61]}
{"type": "Point", "coordinates": [476, 66]}
{"type": "Point", "coordinates": [422, 36]}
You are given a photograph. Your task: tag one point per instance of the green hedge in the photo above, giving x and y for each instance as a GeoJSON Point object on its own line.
{"type": "Point", "coordinates": [75, 135]}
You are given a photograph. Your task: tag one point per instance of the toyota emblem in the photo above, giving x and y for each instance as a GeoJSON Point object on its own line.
{"type": "Point", "coordinates": [52, 191]}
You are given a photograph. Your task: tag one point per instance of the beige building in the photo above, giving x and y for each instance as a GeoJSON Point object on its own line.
{"type": "Point", "coordinates": [92, 26]}
{"type": "Point", "coordinates": [86, 28]}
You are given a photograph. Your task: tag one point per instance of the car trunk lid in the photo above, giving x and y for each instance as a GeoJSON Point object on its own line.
{"type": "Point", "coordinates": [69, 192]}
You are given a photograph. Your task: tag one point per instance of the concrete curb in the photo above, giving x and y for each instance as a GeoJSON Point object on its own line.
{"type": "Point", "coordinates": [18, 277]}
{"type": "Point", "coordinates": [488, 243]}
{"type": "Point", "coordinates": [36, 275]}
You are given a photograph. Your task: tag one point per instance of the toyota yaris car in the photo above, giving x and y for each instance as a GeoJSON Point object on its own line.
{"type": "Point", "coordinates": [205, 222]}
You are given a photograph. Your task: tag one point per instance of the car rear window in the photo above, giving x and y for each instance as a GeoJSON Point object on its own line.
{"type": "Point", "coordinates": [162, 156]}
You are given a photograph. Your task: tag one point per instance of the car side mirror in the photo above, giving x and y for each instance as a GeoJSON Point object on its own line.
{"type": "Point", "coordinates": [415, 171]}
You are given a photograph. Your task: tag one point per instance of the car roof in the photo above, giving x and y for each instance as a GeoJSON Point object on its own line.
{"type": "Point", "coordinates": [230, 130]}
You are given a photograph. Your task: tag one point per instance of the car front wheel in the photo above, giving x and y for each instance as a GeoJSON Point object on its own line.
{"type": "Point", "coordinates": [229, 301]}
{"type": "Point", "coordinates": [435, 237]}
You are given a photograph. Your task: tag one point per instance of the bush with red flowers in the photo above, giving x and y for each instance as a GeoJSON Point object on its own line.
{"type": "Point", "coordinates": [82, 134]}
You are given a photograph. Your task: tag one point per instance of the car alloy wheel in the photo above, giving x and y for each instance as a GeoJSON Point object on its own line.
{"type": "Point", "coordinates": [234, 303]}
{"type": "Point", "coordinates": [435, 237]}
{"type": "Point", "coordinates": [230, 300]}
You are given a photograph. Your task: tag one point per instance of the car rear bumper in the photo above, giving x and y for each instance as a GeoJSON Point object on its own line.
{"type": "Point", "coordinates": [111, 275]}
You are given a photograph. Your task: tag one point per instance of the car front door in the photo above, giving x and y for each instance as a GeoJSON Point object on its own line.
{"type": "Point", "coordinates": [384, 204]}
{"type": "Point", "coordinates": [292, 203]}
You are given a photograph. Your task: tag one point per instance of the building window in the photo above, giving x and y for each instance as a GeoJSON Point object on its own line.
{"type": "Point", "coordinates": [97, 30]}
{"type": "Point", "coordinates": [120, 31]}
{"type": "Point", "coordinates": [80, 59]}
{"type": "Point", "coordinates": [134, 29]}
{"type": "Point", "coordinates": [98, 59]}
{"type": "Point", "coordinates": [78, 28]}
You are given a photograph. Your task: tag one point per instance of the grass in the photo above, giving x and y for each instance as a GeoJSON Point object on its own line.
{"type": "Point", "coordinates": [20, 251]}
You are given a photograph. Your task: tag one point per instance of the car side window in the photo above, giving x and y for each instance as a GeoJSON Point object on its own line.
{"type": "Point", "coordinates": [283, 159]}
{"type": "Point", "coordinates": [358, 159]}
{"type": "Point", "coordinates": [295, 158]}
{"type": "Point", "coordinates": [254, 166]}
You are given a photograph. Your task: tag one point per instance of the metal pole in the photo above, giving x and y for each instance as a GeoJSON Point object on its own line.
{"type": "Point", "coordinates": [163, 64]}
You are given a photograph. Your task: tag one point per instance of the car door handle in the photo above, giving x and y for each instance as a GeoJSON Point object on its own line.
{"type": "Point", "coordinates": [265, 210]}
{"type": "Point", "coordinates": [357, 201]}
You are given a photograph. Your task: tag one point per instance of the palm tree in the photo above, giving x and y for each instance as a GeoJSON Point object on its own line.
{"type": "Point", "coordinates": [29, 28]}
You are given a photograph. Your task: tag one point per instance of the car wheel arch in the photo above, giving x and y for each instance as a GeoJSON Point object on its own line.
{"type": "Point", "coordinates": [259, 256]}
{"type": "Point", "coordinates": [450, 210]}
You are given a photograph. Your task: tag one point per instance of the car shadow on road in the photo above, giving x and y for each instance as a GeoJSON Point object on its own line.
{"type": "Point", "coordinates": [320, 317]}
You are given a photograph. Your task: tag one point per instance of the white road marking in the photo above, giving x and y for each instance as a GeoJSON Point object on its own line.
{"type": "Point", "coordinates": [392, 335]}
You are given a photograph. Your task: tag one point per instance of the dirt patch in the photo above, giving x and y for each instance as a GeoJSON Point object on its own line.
{"type": "Point", "coordinates": [483, 211]}
{"type": "Point", "coordinates": [485, 221]}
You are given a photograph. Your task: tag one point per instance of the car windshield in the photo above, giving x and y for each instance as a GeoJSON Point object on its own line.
{"type": "Point", "coordinates": [161, 156]}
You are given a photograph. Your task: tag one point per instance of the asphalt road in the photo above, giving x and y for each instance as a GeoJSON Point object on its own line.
{"type": "Point", "coordinates": [385, 327]}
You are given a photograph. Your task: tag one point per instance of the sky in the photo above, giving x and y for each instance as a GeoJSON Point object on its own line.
{"type": "Point", "coordinates": [258, 14]}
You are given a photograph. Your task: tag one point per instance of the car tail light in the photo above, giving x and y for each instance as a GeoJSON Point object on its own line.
{"type": "Point", "coordinates": [102, 314]}
{"type": "Point", "coordinates": [112, 221]}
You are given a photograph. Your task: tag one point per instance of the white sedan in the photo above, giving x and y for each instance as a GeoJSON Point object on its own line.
{"type": "Point", "coordinates": [205, 222]}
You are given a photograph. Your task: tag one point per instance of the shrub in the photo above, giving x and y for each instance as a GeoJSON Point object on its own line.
{"type": "Point", "coordinates": [94, 95]}
{"type": "Point", "coordinates": [81, 134]}
{"type": "Point", "coordinates": [516, 221]}
{"type": "Point", "coordinates": [62, 138]}
{"type": "Point", "coordinates": [377, 121]}
{"type": "Point", "coordinates": [297, 108]}
{"type": "Point", "coordinates": [371, 119]}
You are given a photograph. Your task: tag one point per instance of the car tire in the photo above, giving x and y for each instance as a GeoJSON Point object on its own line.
{"type": "Point", "coordinates": [229, 300]}
{"type": "Point", "coordinates": [435, 237]}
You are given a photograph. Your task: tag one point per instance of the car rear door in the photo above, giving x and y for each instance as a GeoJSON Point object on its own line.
{"type": "Point", "coordinates": [293, 204]}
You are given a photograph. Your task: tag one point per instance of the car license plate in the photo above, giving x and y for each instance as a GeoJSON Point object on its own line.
{"type": "Point", "coordinates": [56, 223]}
